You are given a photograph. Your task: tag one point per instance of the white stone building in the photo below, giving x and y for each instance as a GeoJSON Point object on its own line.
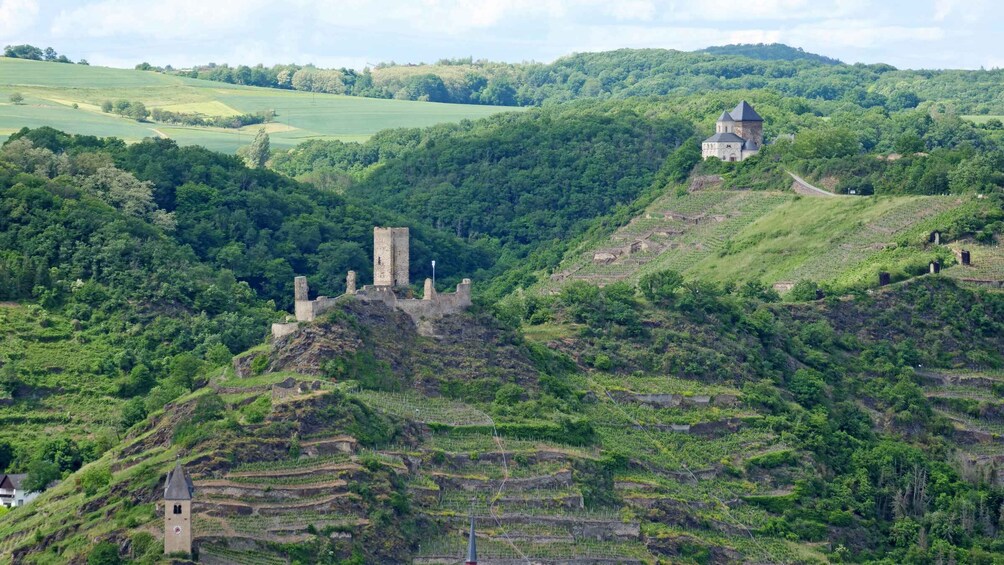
{"type": "Point", "coordinates": [738, 135]}
{"type": "Point", "coordinates": [11, 492]}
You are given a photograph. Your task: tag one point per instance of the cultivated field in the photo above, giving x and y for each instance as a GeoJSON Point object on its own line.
{"type": "Point", "coordinates": [51, 89]}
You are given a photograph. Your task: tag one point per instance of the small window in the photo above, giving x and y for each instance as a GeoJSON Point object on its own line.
{"type": "Point", "coordinates": [177, 509]}
{"type": "Point", "coordinates": [379, 261]}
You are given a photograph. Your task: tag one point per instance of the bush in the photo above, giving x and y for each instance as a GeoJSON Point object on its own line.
{"type": "Point", "coordinates": [40, 474]}
{"type": "Point", "coordinates": [803, 291]}
{"type": "Point", "coordinates": [104, 553]}
{"type": "Point", "coordinates": [16, 98]}
{"type": "Point", "coordinates": [94, 479]}
{"type": "Point", "coordinates": [258, 364]}
{"type": "Point", "coordinates": [660, 287]}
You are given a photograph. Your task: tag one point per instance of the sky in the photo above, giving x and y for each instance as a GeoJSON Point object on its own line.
{"type": "Point", "coordinates": [357, 33]}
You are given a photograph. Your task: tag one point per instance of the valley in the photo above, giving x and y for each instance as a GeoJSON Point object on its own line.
{"type": "Point", "coordinates": [570, 330]}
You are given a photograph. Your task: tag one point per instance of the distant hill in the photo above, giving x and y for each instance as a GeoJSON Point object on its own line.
{"type": "Point", "coordinates": [636, 72]}
{"type": "Point", "coordinates": [769, 52]}
{"type": "Point", "coordinates": [69, 98]}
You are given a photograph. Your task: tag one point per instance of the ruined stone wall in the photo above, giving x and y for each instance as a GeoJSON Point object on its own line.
{"type": "Point", "coordinates": [436, 306]}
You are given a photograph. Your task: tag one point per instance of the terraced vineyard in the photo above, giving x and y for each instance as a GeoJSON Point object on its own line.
{"type": "Point", "coordinates": [772, 237]}
{"type": "Point", "coordinates": [974, 404]}
{"type": "Point", "coordinates": [986, 264]}
{"type": "Point", "coordinates": [533, 499]}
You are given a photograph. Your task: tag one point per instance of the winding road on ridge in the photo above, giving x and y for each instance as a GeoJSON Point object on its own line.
{"type": "Point", "coordinates": [801, 186]}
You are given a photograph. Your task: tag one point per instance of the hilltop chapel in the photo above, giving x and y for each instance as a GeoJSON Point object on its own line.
{"type": "Point", "coordinates": [738, 135]}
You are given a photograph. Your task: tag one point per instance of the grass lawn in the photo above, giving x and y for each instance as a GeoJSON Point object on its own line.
{"type": "Point", "coordinates": [51, 89]}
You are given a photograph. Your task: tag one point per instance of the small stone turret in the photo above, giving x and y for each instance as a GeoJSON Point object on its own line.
{"type": "Point", "coordinates": [301, 298]}
{"type": "Point", "coordinates": [350, 283]}
{"type": "Point", "coordinates": [178, 491]}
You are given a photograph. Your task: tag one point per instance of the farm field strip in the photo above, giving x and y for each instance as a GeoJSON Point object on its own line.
{"type": "Point", "coordinates": [50, 90]}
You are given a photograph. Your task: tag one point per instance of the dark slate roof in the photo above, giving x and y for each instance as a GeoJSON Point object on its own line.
{"type": "Point", "coordinates": [178, 486]}
{"type": "Point", "coordinates": [745, 113]}
{"type": "Point", "coordinates": [15, 480]}
{"type": "Point", "coordinates": [725, 117]}
{"type": "Point", "coordinates": [725, 138]}
{"type": "Point", "coordinates": [472, 545]}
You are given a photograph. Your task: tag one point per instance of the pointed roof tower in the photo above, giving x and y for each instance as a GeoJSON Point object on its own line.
{"type": "Point", "coordinates": [472, 546]}
{"type": "Point", "coordinates": [745, 113]}
{"type": "Point", "coordinates": [178, 486]}
{"type": "Point", "coordinates": [725, 117]}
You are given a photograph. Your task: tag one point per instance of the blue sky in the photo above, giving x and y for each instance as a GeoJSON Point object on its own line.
{"type": "Point", "coordinates": [355, 33]}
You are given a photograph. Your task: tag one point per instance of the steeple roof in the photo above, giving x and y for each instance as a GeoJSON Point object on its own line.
{"type": "Point", "coordinates": [725, 117]}
{"type": "Point", "coordinates": [178, 486]}
{"type": "Point", "coordinates": [745, 113]}
{"type": "Point", "coordinates": [472, 546]}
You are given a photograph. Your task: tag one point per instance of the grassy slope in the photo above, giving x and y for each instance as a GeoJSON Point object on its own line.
{"type": "Point", "coordinates": [773, 237]}
{"type": "Point", "coordinates": [62, 393]}
{"type": "Point", "coordinates": [51, 89]}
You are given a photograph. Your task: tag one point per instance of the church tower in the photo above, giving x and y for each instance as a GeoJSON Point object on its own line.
{"type": "Point", "coordinates": [178, 491]}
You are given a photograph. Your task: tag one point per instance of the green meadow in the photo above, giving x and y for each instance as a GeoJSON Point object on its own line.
{"type": "Point", "coordinates": [50, 91]}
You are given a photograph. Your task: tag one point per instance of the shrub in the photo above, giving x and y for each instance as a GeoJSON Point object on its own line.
{"type": "Point", "coordinates": [104, 553]}
{"type": "Point", "coordinates": [16, 98]}
{"type": "Point", "coordinates": [258, 364]}
{"type": "Point", "coordinates": [94, 479]}
{"type": "Point", "coordinates": [660, 287]}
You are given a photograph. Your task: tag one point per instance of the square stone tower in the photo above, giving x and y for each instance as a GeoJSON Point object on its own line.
{"type": "Point", "coordinates": [391, 257]}
{"type": "Point", "coordinates": [178, 512]}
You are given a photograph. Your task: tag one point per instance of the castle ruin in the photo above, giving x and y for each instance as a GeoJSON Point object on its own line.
{"type": "Point", "coordinates": [391, 266]}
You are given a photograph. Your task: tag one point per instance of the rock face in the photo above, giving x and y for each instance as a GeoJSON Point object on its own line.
{"type": "Point", "coordinates": [385, 339]}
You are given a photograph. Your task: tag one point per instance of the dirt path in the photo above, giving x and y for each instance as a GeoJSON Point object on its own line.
{"type": "Point", "coordinates": [159, 133]}
{"type": "Point", "coordinates": [801, 186]}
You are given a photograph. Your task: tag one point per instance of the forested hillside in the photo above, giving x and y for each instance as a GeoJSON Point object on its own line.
{"type": "Point", "coordinates": [145, 263]}
{"type": "Point", "coordinates": [637, 72]}
{"type": "Point", "coordinates": [667, 358]}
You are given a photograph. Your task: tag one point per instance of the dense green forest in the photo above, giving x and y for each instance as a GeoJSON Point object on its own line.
{"type": "Point", "coordinates": [635, 72]}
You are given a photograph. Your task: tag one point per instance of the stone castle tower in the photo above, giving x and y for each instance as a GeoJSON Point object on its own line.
{"type": "Point", "coordinates": [178, 491]}
{"type": "Point", "coordinates": [738, 135]}
{"type": "Point", "coordinates": [390, 257]}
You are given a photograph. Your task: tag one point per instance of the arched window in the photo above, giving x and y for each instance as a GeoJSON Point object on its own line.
{"type": "Point", "coordinates": [177, 509]}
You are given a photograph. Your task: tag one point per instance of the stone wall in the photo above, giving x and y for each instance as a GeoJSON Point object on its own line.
{"type": "Point", "coordinates": [724, 151]}
{"type": "Point", "coordinates": [428, 307]}
{"type": "Point", "coordinates": [751, 131]}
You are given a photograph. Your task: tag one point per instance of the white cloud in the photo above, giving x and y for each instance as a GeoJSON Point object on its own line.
{"type": "Point", "coordinates": [163, 19]}
{"type": "Point", "coordinates": [17, 15]}
{"type": "Point", "coordinates": [858, 34]}
{"type": "Point", "coordinates": [750, 10]}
